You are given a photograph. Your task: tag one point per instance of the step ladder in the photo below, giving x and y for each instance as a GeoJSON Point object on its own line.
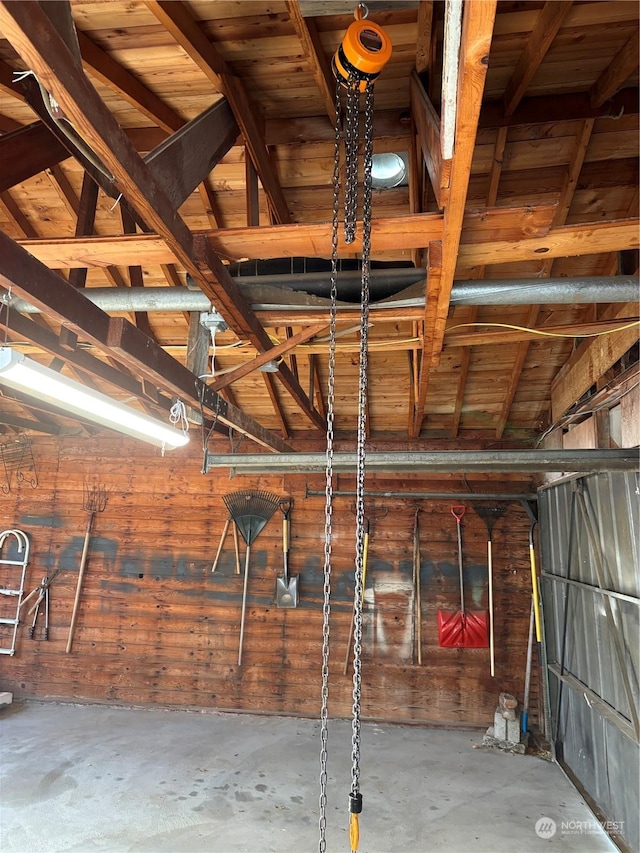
{"type": "Point", "coordinates": [12, 575]}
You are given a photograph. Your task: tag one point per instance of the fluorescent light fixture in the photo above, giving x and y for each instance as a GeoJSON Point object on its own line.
{"type": "Point", "coordinates": [23, 374]}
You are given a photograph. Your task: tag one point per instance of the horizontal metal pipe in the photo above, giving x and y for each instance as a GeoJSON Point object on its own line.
{"type": "Point", "coordinates": [473, 292]}
{"type": "Point", "coordinates": [433, 461]}
{"type": "Point", "coordinates": [429, 496]}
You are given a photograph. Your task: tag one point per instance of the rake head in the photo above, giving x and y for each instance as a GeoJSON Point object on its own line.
{"type": "Point", "coordinates": [251, 511]}
{"type": "Point", "coordinates": [491, 514]}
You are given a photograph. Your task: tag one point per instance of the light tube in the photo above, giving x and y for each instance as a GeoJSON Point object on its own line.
{"type": "Point", "coordinates": [23, 374]}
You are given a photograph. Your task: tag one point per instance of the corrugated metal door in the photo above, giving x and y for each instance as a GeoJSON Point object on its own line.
{"type": "Point", "coordinates": [589, 534]}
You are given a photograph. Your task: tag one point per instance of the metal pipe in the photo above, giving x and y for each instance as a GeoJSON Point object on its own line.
{"type": "Point", "coordinates": [433, 461]}
{"type": "Point", "coordinates": [524, 291]}
{"type": "Point", "coordinates": [429, 496]}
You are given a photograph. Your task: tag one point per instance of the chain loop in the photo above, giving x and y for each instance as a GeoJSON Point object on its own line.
{"type": "Point", "coordinates": [328, 510]}
{"type": "Point", "coordinates": [351, 137]}
{"type": "Point", "coordinates": [361, 450]}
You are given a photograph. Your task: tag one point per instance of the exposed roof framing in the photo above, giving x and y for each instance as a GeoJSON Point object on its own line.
{"type": "Point", "coordinates": [215, 123]}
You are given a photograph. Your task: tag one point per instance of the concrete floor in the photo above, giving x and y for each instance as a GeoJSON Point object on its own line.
{"type": "Point", "coordinates": [90, 778]}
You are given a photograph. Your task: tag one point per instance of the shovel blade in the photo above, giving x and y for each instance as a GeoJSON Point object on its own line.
{"type": "Point", "coordinates": [287, 593]}
{"type": "Point", "coordinates": [463, 630]}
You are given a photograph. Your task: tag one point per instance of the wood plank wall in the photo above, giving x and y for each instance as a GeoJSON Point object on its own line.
{"type": "Point", "coordinates": [156, 627]}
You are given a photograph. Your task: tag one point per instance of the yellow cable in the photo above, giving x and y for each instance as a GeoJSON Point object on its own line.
{"type": "Point", "coordinates": [548, 334]}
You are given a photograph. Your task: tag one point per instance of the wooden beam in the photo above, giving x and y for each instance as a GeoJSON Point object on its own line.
{"type": "Point", "coordinates": [178, 20]}
{"type": "Point", "coordinates": [16, 216]}
{"type": "Point", "coordinates": [309, 38]}
{"type": "Point", "coordinates": [272, 354]}
{"type": "Point", "coordinates": [27, 151]}
{"type": "Point", "coordinates": [623, 65]}
{"type": "Point", "coordinates": [573, 106]}
{"type": "Point", "coordinates": [428, 130]}
{"type": "Point", "coordinates": [272, 391]}
{"type": "Point", "coordinates": [186, 157]}
{"type": "Point", "coordinates": [7, 83]}
{"type": "Point", "coordinates": [549, 21]}
{"type": "Point", "coordinates": [108, 71]}
{"type": "Point", "coordinates": [251, 190]}
{"type": "Point", "coordinates": [591, 238]}
{"type": "Point", "coordinates": [590, 360]}
{"type": "Point", "coordinates": [481, 245]}
{"type": "Point", "coordinates": [85, 224]}
{"type": "Point", "coordinates": [434, 283]}
{"type": "Point", "coordinates": [424, 55]}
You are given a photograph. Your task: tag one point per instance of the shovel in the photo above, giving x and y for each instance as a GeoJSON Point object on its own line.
{"type": "Point", "coordinates": [286, 587]}
{"type": "Point", "coordinates": [462, 629]}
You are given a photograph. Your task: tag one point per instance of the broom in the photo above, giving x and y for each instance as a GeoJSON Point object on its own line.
{"type": "Point", "coordinates": [250, 511]}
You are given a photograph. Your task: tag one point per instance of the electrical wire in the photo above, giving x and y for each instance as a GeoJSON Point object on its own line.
{"type": "Point", "coordinates": [542, 333]}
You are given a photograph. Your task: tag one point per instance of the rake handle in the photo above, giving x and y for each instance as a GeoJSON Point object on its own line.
{"type": "Point", "coordinates": [220, 544]}
{"type": "Point", "coordinates": [244, 604]}
{"type": "Point", "coordinates": [83, 563]}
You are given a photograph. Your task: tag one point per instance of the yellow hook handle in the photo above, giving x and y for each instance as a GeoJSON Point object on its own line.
{"type": "Point", "coordinates": [354, 832]}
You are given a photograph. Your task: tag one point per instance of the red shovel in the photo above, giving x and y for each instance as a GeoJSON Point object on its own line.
{"type": "Point", "coordinates": [462, 629]}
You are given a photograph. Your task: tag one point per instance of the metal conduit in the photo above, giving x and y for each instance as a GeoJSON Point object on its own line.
{"type": "Point", "coordinates": [430, 496]}
{"type": "Point", "coordinates": [433, 461]}
{"type": "Point", "coordinates": [608, 289]}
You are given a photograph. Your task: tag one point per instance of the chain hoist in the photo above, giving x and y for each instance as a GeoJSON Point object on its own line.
{"type": "Point", "coordinates": [361, 56]}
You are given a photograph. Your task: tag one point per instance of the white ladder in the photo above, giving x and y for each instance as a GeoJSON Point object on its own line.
{"type": "Point", "coordinates": [13, 592]}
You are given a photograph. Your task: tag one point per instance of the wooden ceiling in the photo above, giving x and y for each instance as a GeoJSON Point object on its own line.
{"type": "Point", "coordinates": [208, 132]}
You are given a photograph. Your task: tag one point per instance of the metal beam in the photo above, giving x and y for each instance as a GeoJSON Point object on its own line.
{"type": "Point", "coordinates": [429, 496]}
{"type": "Point", "coordinates": [434, 461]}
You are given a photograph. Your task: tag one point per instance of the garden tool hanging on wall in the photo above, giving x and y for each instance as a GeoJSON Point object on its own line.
{"type": "Point", "coordinates": [286, 586]}
{"type": "Point", "coordinates": [94, 501]}
{"type": "Point", "coordinates": [491, 514]}
{"type": "Point", "coordinates": [250, 511]}
{"type": "Point", "coordinates": [464, 628]}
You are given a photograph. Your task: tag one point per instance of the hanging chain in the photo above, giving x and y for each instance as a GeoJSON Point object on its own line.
{"type": "Point", "coordinates": [361, 454]}
{"type": "Point", "coordinates": [352, 134]}
{"type": "Point", "coordinates": [326, 605]}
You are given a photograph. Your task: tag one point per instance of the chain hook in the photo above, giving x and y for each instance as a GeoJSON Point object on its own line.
{"type": "Point", "coordinates": [361, 12]}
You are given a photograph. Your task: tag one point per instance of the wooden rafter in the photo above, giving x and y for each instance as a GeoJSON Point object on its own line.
{"type": "Point", "coordinates": [550, 19]}
{"type": "Point", "coordinates": [309, 38]}
{"type": "Point", "coordinates": [560, 217]}
{"type": "Point", "coordinates": [477, 29]}
{"type": "Point", "coordinates": [614, 75]}
{"type": "Point", "coordinates": [177, 19]}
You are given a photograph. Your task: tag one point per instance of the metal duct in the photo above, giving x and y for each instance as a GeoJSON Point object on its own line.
{"type": "Point", "coordinates": [432, 461]}
{"type": "Point", "coordinates": [607, 289]}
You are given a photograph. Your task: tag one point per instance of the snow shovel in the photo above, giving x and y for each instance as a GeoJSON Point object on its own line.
{"type": "Point", "coordinates": [462, 629]}
{"type": "Point", "coordinates": [286, 587]}
{"type": "Point", "coordinates": [490, 514]}
{"type": "Point", "coordinates": [250, 511]}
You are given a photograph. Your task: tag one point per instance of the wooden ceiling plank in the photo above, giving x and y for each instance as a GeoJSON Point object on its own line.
{"type": "Point", "coordinates": [309, 38]}
{"type": "Point", "coordinates": [16, 216]}
{"type": "Point", "coordinates": [567, 193]}
{"type": "Point", "coordinates": [550, 19]}
{"type": "Point", "coordinates": [111, 73]}
{"type": "Point", "coordinates": [623, 65]}
{"type": "Point", "coordinates": [260, 360]}
{"type": "Point", "coordinates": [27, 151]}
{"type": "Point", "coordinates": [177, 19]}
